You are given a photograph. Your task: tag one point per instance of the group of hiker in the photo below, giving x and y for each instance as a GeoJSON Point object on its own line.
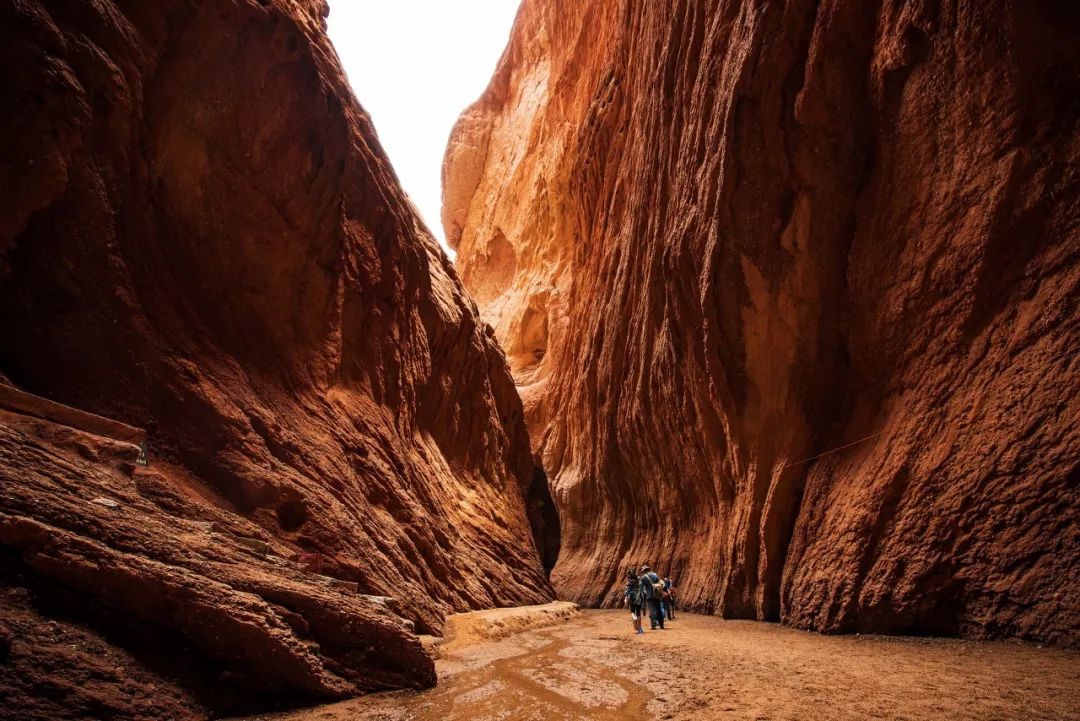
{"type": "Point", "coordinates": [646, 588]}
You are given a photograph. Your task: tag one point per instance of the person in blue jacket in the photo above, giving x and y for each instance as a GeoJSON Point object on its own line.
{"type": "Point", "coordinates": [669, 598]}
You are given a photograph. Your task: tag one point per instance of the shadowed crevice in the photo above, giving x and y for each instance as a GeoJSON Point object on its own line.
{"type": "Point", "coordinates": [544, 520]}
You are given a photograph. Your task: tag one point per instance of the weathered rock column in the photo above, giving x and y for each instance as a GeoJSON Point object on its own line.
{"type": "Point", "coordinates": [716, 237]}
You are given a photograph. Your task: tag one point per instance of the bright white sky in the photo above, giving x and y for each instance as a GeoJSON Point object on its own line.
{"type": "Point", "coordinates": [415, 65]}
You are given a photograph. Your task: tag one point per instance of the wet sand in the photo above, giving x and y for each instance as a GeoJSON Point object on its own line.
{"type": "Point", "coordinates": [590, 666]}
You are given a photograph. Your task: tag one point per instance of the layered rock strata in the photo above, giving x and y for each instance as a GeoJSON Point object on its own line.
{"type": "Point", "coordinates": [719, 239]}
{"type": "Point", "coordinates": [202, 239]}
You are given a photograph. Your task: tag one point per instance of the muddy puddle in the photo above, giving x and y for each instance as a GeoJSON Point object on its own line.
{"type": "Point", "coordinates": [549, 679]}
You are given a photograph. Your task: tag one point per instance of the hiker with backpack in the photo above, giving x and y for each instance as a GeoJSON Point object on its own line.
{"type": "Point", "coordinates": [653, 589]}
{"type": "Point", "coordinates": [634, 597]}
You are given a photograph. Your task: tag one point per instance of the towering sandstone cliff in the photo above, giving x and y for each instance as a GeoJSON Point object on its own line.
{"type": "Point", "coordinates": [202, 237]}
{"type": "Point", "coordinates": [719, 237]}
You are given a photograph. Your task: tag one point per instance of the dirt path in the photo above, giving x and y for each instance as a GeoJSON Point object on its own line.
{"type": "Point", "coordinates": [591, 667]}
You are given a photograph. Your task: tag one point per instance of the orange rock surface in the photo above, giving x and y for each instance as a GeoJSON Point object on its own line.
{"type": "Point", "coordinates": [201, 237]}
{"type": "Point", "coordinates": [717, 238]}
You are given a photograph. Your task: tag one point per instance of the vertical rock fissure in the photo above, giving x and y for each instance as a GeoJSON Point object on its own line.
{"type": "Point", "coordinates": [544, 519]}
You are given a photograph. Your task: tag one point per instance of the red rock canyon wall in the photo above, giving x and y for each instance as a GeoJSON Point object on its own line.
{"type": "Point", "coordinates": [202, 237]}
{"type": "Point", "coordinates": [717, 237]}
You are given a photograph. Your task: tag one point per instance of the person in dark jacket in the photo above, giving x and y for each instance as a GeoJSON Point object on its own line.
{"type": "Point", "coordinates": [648, 582]}
{"type": "Point", "coordinates": [635, 599]}
{"type": "Point", "coordinates": [669, 598]}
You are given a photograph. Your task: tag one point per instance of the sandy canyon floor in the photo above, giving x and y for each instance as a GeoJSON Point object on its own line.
{"type": "Point", "coordinates": [590, 666]}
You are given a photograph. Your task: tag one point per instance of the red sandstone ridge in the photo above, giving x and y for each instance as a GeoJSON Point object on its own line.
{"type": "Point", "coordinates": [717, 238]}
{"type": "Point", "coordinates": [201, 237]}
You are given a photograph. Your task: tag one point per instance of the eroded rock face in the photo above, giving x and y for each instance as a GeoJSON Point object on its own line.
{"type": "Point", "coordinates": [131, 592]}
{"type": "Point", "coordinates": [717, 238]}
{"type": "Point", "coordinates": [202, 237]}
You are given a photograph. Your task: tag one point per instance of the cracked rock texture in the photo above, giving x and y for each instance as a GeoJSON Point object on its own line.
{"type": "Point", "coordinates": [717, 238]}
{"type": "Point", "coordinates": [202, 237]}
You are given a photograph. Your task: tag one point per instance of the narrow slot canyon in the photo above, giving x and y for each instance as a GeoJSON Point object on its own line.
{"type": "Point", "coordinates": [780, 300]}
